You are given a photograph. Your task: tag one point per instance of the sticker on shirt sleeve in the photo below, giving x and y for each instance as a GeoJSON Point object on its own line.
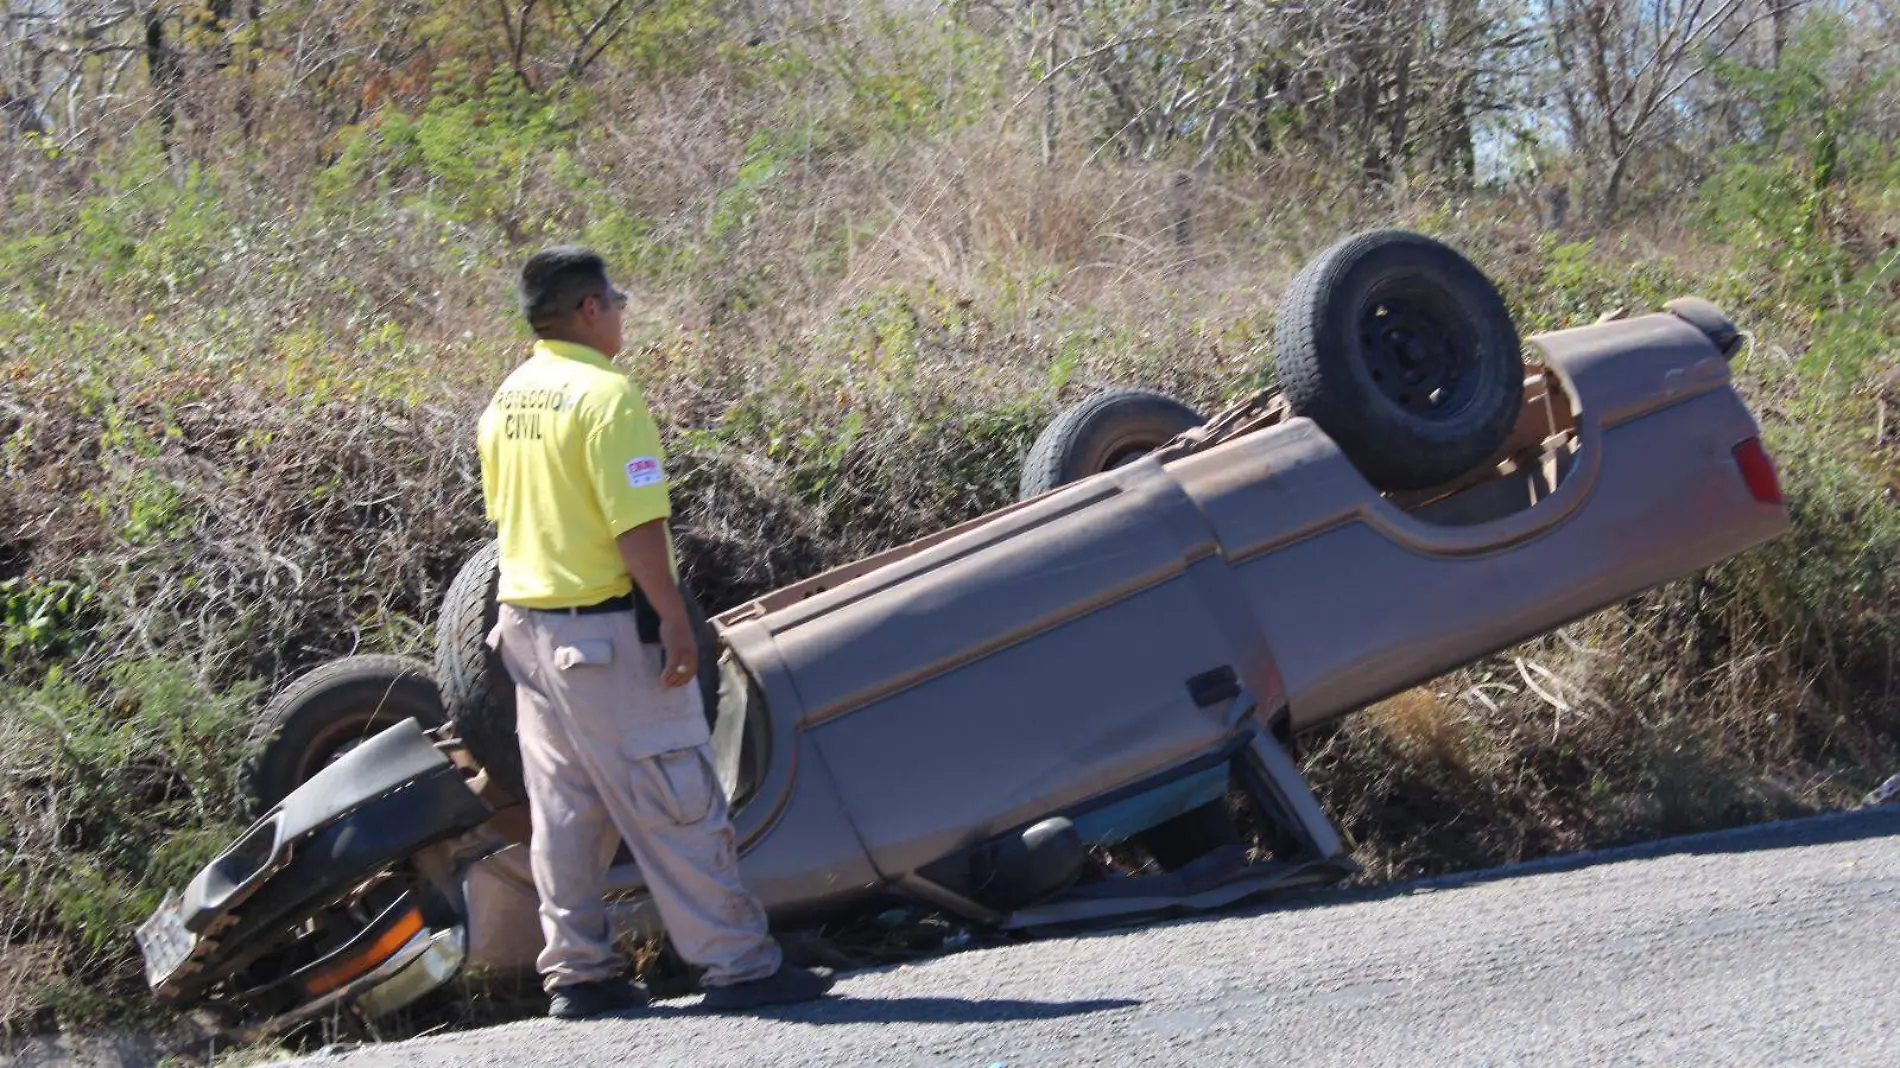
{"type": "Point", "coordinates": [644, 471]}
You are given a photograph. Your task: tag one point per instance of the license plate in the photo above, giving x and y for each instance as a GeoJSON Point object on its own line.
{"type": "Point", "coordinates": [164, 942]}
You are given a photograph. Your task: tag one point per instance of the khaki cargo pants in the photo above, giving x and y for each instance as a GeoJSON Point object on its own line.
{"type": "Point", "coordinates": [609, 754]}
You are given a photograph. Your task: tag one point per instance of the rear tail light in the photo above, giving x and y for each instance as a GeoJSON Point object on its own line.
{"type": "Point", "coordinates": [1758, 470]}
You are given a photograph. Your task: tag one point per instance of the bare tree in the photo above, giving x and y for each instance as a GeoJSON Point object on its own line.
{"type": "Point", "coordinates": [1377, 84]}
{"type": "Point", "coordinates": [1622, 68]}
{"type": "Point", "coordinates": [568, 36]}
{"type": "Point", "coordinates": [58, 60]}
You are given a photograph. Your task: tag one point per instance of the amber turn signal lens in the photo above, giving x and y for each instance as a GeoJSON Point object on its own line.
{"type": "Point", "coordinates": [365, 960]}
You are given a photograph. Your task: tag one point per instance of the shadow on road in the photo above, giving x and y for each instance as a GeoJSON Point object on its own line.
{"type": "Point", "coordinates": [845, 1009]}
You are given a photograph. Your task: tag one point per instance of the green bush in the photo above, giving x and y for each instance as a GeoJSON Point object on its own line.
{"type": "Point", "coordinates": [112, 796]}
{"type": "Point", "coordinates": [40, 620]}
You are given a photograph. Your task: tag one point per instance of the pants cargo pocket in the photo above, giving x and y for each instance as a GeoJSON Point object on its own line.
{"type": "Point", "coordinates": [684, 784]}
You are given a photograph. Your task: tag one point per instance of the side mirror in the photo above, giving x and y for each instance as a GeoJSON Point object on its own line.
{"type": "Point", "coordinates": [1706, 317]}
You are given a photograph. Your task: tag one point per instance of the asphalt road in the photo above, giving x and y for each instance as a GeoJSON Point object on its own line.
{"type": "Point", "coordinates": [1767, 946]}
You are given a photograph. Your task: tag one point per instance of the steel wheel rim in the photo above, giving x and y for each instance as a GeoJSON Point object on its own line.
{"type": "Point", "coordinates": [335, 741]}
{"type": "Point", "coordinates": [1422, 361]}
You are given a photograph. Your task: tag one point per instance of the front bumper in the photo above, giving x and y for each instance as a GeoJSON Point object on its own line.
{"type": "Point", "coordinates": [427, 963]}
{"type": "Point", "coordinates": [244, 930]}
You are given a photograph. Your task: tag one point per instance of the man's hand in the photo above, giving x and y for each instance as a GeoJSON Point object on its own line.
{"type": "Point", "coordinates": [682, 650]}
{"type": "Point", "coordinates": [644, 550]}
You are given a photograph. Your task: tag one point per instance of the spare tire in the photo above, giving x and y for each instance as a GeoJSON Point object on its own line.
{"type": "Point", "coordinates": [327, 712]}
{"type": "Point", "coordinates": [1105, 431]}
{"type": "Point", "coordinates": [1404, 354]}
{"type": "Point", "coordinates": [477, 693]}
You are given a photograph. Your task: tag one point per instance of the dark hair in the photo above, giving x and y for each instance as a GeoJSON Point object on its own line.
{"type": "Point", "coordinates": [554, 280]}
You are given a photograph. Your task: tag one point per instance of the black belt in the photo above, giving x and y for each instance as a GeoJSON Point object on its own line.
{"type": "Point", "coordinates": [646, 621]}
{"type": "Point", "coordinates": [622, 603]}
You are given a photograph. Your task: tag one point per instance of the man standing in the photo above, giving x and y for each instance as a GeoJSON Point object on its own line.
{"type": "Point", "coordinates": [593, 629]}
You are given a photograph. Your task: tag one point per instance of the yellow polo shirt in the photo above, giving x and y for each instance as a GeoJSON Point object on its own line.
{"type": "Point", "coordinates": [570, 460]}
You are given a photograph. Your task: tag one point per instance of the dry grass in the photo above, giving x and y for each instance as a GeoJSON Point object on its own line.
{"type": "Point", "coordinates": [26, 969]}
{"type": "Point", "coordinates": [1424, 726]}
{"type": "Point", "coordinates": [1605, 732]}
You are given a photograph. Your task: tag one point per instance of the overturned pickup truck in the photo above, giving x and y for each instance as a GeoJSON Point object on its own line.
{"type": "Point", "coordinates": [1121, 656]}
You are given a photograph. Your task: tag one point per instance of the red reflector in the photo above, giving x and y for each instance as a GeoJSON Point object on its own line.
{"type": "Point", "coordinates": [1758, 470]}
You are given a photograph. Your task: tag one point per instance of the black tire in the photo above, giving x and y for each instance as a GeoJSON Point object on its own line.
{"type": "Point", "coordinates": [1403, 352]}
{"type": "Point", "coordinates": [477, 693]}
{"type": "Point", "coordinates": [1105, 431]}
{"type": "Point", "coordinates": [326, 712]}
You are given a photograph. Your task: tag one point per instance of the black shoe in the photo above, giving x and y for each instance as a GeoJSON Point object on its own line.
{"type": "Point", "coordinates": [783, 987]}
{"type": "Point", "coordinates": [602, 997]}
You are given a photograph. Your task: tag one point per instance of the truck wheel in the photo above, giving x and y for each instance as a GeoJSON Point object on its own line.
{"type": "Point", "coordinates": [1404, 354]}
{"type": "Point", "coordinates": [1105, 431]}
{"type": "Point", "coordinates": [327, 712]}
{"type": "Point", "coordinates": [476, 691]}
